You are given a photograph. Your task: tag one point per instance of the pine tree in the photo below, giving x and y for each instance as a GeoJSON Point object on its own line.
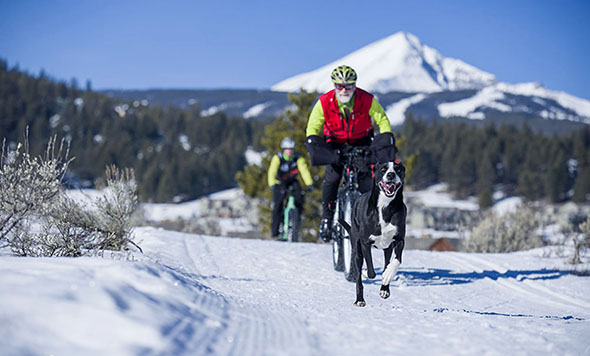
{"type": "Point", "coordinates": [253, 179]}
{"type": "Point", "coordinates": [581, 152]}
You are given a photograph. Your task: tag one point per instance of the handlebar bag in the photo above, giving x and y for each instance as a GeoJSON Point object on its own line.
{"type": "Point", "coordinates": [320, 152]}
{"type": "Point", "coordinates": [383, 148]}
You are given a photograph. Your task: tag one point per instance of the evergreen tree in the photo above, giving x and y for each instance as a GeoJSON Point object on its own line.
{"type": "Point", "coordinates": [582, 186]}
{"type": "Point", "coordinates": [557, 177]}
{"type": "Point", "coordinates": [581, 153]}
{"type": "Point", "coordinates": [486, 173]}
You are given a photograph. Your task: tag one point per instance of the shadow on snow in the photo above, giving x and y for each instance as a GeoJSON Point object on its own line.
{"type": "Point", "coordinates": [432, 277]}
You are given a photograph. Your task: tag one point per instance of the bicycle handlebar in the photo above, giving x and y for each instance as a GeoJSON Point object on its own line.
{"type": "Point", "coordinates": [355, 156]}
{"type": "Point", "coordinates": [354, 152]}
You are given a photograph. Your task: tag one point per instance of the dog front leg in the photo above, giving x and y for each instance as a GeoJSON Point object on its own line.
{"type": "Point", "coordinates": [384, 292]}
{"type": "Point", "coordinates": [387, 256]}
{"type": "Point", "coordinates": [391, 269]}
{"type": "Point", "coordinates": [358, 260]}
{"type": "Point", "coordinates": [369, 260]}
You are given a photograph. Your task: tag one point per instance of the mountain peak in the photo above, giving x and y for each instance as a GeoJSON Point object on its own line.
{"type": "Point", "coordinates": [399, 62]}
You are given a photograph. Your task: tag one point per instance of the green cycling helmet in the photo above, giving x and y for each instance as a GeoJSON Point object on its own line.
{"type": "Point", "coordinates": [343, 75]}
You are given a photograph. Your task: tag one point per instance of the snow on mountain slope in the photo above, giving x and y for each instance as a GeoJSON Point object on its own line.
{"type": "Point", "coordinates": [200, 295]}
{"type": "Point", "coordinates": [396, 112]}
{"type": "Point", "coordinates": [568, 107]}
{"type": "Point", "coordinates": [399, 62]}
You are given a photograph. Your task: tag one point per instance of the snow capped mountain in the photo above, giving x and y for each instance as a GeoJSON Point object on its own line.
{"type": "Point", "coordinates": [399, 62]}
{"type": "Point", "coordinates": [544, 103]}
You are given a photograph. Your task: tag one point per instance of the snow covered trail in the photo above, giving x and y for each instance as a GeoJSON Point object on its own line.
{"type": "Point", "coordinates": [201, 295]}
{"type": "Point", "coordinates": [440, 300]}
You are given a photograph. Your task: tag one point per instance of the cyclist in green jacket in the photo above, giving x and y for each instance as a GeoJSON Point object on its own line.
{"type": "Point", "coordinates": [344, 117]}
{"type": "Point", "coordinates": [282, 173]}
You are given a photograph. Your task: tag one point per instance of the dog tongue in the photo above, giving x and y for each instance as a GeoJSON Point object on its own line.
{"type": "Point", "coordinates": [388, 187]}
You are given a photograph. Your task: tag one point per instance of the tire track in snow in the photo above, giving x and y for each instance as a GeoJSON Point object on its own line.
{"type": "Point", "coordinates": [201, 323]}
{"type": "Point", "coordinates": [530, 290]}
{"type": "Point", "coordinates": [250, 329]}
{"type": "Point", "coordinates": [550, 294]}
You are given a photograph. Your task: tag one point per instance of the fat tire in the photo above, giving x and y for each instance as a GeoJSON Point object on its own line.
{"type": "Point", "coordinates": [348, 251]}
{"type": "Point", "coordinates": [294, 223]}
{"type": "Point", "coordinates": [337, 258]}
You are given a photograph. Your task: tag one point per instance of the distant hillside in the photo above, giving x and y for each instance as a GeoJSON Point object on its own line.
{"type": "Point", "coordinates": [264, 104]}
{"type": "Point", "coordinates": [176, 153]}
{"type": "Point", "coordinates": [258, 104]}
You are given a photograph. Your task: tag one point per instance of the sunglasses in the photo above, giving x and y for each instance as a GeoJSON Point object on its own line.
{"type": "Point", "coordinates": [344, 86]}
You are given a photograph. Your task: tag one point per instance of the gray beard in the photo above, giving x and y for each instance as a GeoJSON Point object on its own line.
{"type": "Point", "coordinates": [344, 99]}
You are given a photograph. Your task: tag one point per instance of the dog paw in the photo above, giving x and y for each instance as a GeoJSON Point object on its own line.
{"type": "Point", "coordinates": [384, 292]}
{"type": "Point", "coordinates": [360, 303]}
{"type": "Point", "coordinates": [367, 275]}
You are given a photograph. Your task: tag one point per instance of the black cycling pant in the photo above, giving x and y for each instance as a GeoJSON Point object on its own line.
{"type": "Point", "coordinates": [279, 193]}
{"type": "Point", "coordinates": [332, 182]}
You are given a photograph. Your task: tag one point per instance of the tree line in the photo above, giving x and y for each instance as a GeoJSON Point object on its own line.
{"type": "Point", "coordinates": [176, 154]}
{"type": "Point", "coordinates": [476, 160]}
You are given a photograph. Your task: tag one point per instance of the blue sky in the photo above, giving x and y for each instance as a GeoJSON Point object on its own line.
{"type": "Point", "coordinates": [254, 44]}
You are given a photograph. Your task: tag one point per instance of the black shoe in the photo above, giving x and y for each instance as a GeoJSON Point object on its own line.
{"type": "Point", "coordinates": [325, 233]}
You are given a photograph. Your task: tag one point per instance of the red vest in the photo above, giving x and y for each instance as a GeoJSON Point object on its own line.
{"type": "Point", "coordinates": [359, 123]}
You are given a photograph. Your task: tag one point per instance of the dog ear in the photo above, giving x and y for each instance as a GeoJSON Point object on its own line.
{"type": "Point", "coordinates": [374, 195]}
{"type": "Point", "coordinates": [400, 169]}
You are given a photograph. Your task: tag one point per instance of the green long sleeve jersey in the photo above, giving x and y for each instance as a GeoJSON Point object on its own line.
{"type": "Point", "coordinates": [273, 169]}
{"type": "Point", "coordinates": [315, 125]}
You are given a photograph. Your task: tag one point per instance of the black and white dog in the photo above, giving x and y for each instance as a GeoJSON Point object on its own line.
{"type": "Point", "coordinates": [379, 220]}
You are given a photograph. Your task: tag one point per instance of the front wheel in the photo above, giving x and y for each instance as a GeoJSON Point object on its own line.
{"type": "Point", "coordinates": [347, 250]}
{"type": "Point", "coordinates": [337, 256]}
{"type": "Point", "coordinates": [294, 223]}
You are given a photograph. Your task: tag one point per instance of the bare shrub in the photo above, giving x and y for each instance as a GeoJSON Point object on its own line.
{"type": "Point", "coordinates": [71, 228]}
{"type": "Point", "coordinates": [578, 230]}
{"type": "Point", "coordinates": [38, 219]}
{"type": "Point", "coordinates": [511, 232]}
{"type": "Point", "coordinates": [28, 184]}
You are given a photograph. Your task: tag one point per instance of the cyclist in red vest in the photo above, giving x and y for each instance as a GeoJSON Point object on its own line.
{"type": "Point", "coordinates": [282, 173]}
{"type": "Point", "coordinates": [342, 116]}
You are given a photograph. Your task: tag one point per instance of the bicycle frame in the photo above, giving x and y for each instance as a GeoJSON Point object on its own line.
{"type": "Point", "coordinates": [289, 228]}
{"type": "Point", "coordinates": [290, 205]}
{"type": "Point", "coordinates": [347, 193]}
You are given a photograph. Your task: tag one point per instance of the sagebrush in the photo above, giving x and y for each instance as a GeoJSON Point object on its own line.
{"type": "Point", "coordinates": [510, 232]}
{"type": "Point", "coordinates": [38, 218]}
{"type": "Point", "coordinates": [578, 230]}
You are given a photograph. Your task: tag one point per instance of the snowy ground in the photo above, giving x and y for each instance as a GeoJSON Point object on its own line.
{"type": "Point", "coordinates": [200, 295]}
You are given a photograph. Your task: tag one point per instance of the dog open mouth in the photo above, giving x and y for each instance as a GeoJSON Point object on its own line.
{"type": "Point", "coordinates": [389, 188]}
